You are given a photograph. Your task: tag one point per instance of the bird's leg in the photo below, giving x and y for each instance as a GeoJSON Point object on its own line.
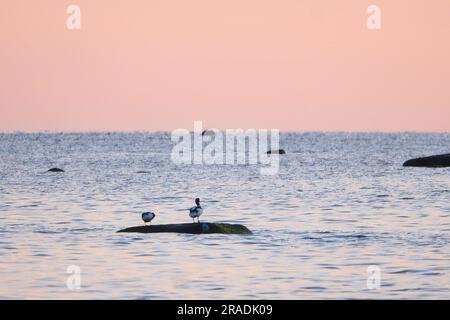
{"type": "Point", "coordinates": [193, 220]}
{"type": "Point", "coordinates": [198, 219]}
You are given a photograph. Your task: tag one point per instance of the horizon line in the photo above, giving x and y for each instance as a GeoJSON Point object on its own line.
{"type": "Point", "coordinates": [169, 132]}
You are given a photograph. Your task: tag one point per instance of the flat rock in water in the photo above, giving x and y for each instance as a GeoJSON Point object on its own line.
{"type": "Point", "coordinates": [438, 161]}
{"type": "Point", "coordinates": [55, 170]}
{"type": "Point", "coordinates": [192, 228]}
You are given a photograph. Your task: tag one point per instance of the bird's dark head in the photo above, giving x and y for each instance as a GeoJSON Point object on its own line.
{"type": "Point", "coordinates": [197, 201]}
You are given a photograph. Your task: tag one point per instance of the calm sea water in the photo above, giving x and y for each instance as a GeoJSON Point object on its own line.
{"type": "Point", "coordinates": [342, 202]}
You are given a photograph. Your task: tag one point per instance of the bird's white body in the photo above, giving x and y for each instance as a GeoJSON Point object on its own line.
{"type": "Point", "coordinates": [148, 217]}
{"type": "Point", "coordinates": [195, 212]}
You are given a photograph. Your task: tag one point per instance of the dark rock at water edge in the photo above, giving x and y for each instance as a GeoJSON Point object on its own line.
{"type": "Point", "coordinates": [279, 151]}
{"type": "Point", "coordinates": [55, 170]}
{"type": "Point", "coordinates": [191, 228]}
{"type": "Point", "coordinates": [437, 161]}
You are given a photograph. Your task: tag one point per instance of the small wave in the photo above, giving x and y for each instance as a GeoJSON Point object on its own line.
{"type": "Point", "coordinates": [343, 238]}
{"type": "Point", "coordinates": [406, 271]}
{"type": "Point", "coordinates": [314, 288]}
{"type": "Point", "coordinates": [68, 230]}
{"type": "Point", "coordinates": [41, 255]}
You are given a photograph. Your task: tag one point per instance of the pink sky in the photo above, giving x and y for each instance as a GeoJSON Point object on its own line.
{"type": "Point", "coordinates": [286, 64]}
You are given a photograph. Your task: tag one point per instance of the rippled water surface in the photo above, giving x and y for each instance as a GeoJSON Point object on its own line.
{"type": "Point", "coordinates": [341, 202]}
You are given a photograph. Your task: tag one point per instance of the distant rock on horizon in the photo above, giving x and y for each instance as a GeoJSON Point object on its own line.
{"type": "Point", "coordinates": [208, 132]}
{"type": "Point", "coordinates": [279, 151]}
{"type": "Point", "coordinates": [437, 161]}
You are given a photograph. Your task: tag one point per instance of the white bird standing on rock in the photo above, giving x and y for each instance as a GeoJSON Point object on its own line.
{"type": "Point", "coordinates": [196, 212]}
{"type": "Point", "coordinates": [148, 217]}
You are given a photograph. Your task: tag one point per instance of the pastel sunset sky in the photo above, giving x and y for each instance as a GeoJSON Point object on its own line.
{"type": "Point", "coordinates": [297, 65]}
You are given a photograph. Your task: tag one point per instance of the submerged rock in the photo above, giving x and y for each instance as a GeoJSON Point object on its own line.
{"type": "Point", "coordinates": [55, 170]}
{"type": "Point", "coordinates": [279, 151]}
{"type": "Point", "coordinates": [192, 228]}
{"type": "Point", "coordinates": [437, 161]}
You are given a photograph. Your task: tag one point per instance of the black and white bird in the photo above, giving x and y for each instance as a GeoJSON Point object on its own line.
{"type": "Point", "coordinates": [196, 212]}
{"type": "Point", "coordinates": [148, 217]}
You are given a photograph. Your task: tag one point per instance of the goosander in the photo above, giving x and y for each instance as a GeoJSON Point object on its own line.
{"type": "Point", "coordinates": [196, 212]}
{"type": "Point", "coordinates": [148, 217]}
